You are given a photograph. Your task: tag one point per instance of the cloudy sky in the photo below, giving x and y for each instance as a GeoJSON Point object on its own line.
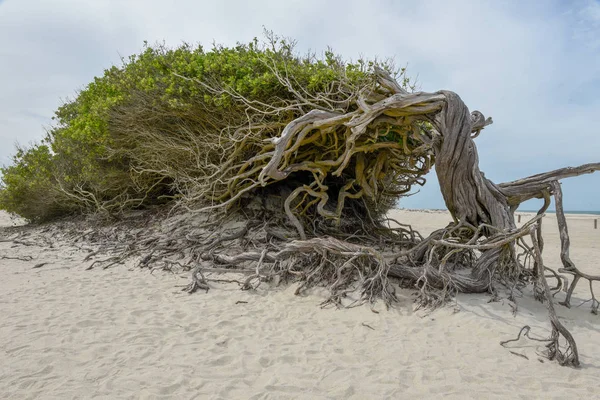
{"type": "Point", "coordinates": [534, 66]}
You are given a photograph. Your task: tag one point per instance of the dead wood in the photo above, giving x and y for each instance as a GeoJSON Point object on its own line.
{"type": "Point", "coordinates": [569, 266]}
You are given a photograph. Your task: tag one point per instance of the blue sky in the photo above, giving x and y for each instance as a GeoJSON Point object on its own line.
{"type": "Point", "coordinates": [533, 66]}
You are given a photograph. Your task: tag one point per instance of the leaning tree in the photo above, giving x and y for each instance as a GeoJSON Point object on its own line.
{"type": "Point", "coordinates": [307, 181]}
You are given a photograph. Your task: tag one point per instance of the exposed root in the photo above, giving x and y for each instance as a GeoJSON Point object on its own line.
{"type": "Point", "coordinates": [569, 266]}
{"type": "Point", "coordinates": [570, 356]}
{"type": "Point", "coordinates": [198, 281]}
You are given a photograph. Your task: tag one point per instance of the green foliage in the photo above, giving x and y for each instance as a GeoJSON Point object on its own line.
{"type": "Point", "coordinates": [28, 185]}
{"type": "Point", "coordinates": [96, 156]}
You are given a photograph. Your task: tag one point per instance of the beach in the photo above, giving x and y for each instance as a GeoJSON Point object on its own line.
{"type": "Point", "coordinates": [71, 333]}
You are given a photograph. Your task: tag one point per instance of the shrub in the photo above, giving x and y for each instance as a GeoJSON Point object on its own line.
{"type": "Point", "coordinates": [159, 126]}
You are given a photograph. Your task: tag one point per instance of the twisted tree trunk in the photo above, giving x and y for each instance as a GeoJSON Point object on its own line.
{"type": "Point", "coordinates": [469, 196]}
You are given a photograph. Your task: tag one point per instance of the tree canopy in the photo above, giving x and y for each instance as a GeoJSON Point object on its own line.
{"type": "Point", "coordinates": [156, 128]}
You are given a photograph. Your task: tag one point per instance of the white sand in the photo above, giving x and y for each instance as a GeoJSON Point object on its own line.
{"type": "Point", "coordinates": [123, 333]}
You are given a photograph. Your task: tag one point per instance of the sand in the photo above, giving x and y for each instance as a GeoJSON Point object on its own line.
{"type": "Point", "coordinates": [125, 333]}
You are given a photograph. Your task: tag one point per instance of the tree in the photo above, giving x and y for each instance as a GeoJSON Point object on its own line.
{"type": "Point", "coordinates": [307, 155]}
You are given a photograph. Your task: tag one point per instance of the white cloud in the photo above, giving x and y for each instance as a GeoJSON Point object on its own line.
{"type": "Point", "coordinates": [533, 66]}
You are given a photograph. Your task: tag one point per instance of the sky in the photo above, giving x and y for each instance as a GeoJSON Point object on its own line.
{"type": "Point", "coordinates": [533, 66]}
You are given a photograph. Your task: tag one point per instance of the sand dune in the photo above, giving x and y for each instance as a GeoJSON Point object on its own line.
{"type": "Point", "coordinates": [124, 333]}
